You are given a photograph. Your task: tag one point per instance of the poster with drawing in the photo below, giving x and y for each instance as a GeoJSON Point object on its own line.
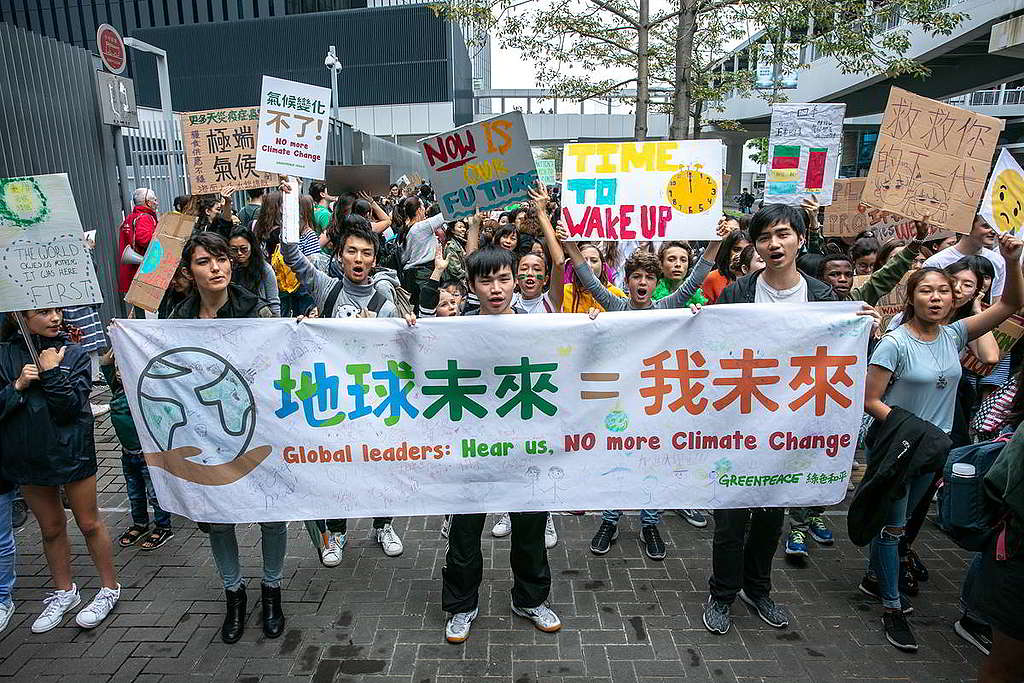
{"type": "Point", "coordinates": [803, 150]}
{"type": "Point", "coordinates": [43, 259]}
{"type": "Point", "coordinates": [250, 420]}
{"type": "Point", "coordinates": [931, 159]}
{"type": "Point", "coordinates": [160, 262]}
{"type": "Point", "coordinates": [1003, 203]}
{"type": "Point", "coordinates": [844, 217]}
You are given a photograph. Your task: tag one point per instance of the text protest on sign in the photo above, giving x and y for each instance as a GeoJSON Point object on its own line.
{"type": "Point", "coordinates": [220, 150]}
{"type": "Point", "coordinates": [804, 151]}
{"type": "Point", "coordinates": [249, 420]}
{"type": "Point", "coordinates": [843, 217]}
{"type": "Point", "coordinates": [931, 160]}
{"type": "Point", "coordinates": [163, 255]}
{"type": "Point", "coordinates": [642, 190]}
{"type": "Point", "coordinates": [43, 259]}
{"type": "Point", "coordinates": [294, 128]}
{"type": "Point", "coordinates": [482, 166]}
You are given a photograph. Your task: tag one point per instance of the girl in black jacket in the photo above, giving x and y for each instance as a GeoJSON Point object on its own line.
{"type": "Point", "coordinates": [46, 438]}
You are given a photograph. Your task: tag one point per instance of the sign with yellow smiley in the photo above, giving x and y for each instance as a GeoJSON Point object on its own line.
{"type": "Point", "coordinates": [1003, 203]}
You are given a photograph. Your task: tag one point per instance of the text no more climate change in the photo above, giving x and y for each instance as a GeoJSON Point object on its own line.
{"type": "Point", "coordinates": [830, 444]}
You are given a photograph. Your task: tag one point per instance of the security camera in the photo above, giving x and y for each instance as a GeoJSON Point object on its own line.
{"type": "Point", "coordinates": [330, 61]}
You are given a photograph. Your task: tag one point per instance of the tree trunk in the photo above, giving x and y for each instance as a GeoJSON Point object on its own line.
{"type": "Point", "coordinates": [698, 118]}
{"type": "Point", "coordinates": [642, 72]}
{"type": "Point", "coordinates": [685, 35]}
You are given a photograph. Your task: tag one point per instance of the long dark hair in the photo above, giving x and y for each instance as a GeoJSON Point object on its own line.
{"type": "Point", "coordinates": [306, 213]}
{"type": "Point", "coordinates": [577, 288]}
{"type": "Point", "coordinates": [913, 282]}
{"type": "Point", "coordinates": [723, 260]}
{"type": "Point", "coordinates": [249, 275]}
{"type": "Point", "coordinates": [967, 263]}
{"type": "Point", "coordinates": [268, 221]}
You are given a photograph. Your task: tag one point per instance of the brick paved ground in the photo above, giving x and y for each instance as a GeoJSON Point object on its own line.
{"type": "Point", "coordinates": [378, 619]}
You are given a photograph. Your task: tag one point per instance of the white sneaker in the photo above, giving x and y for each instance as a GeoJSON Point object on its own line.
{"type": "Point", "coordinates": [446, 526]}
{"type": "Point", "coordinates": [97, 610]}
{"type": "Point", "coordinates": [331, 554]}
{"type": "Point", "coordinates": [389, 541]}
{"type": "Point", "coordinates": [7, 610]}
{"type": "Point", "coordinates": [55, 606]}
{"type": "Point", "coordinates": [542, 616]}
{"type": "Point", "coordinates": [99, 409]}
{"type": "Point", "coordinates": [457, 628]}
{"type": "Point", "coordinates": [503, 528]}
{"type": "Point", "coordinates": [550, 535]}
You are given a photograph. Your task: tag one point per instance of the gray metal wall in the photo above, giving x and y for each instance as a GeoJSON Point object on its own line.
{"type": "Point", "coordinates": [50, 123]}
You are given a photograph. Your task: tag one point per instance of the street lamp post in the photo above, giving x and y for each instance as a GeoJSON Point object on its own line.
{"type": "Point", "coordinates": [165, 106]}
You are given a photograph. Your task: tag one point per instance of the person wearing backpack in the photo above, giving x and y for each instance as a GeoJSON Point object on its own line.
{"type": "Point", "coordinates": [916, 367]}
{"type": "Point", "coordinates": [354, 294]}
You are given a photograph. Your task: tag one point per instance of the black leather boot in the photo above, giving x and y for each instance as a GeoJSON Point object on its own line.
{"type": "Point", "coordinates": [273, 620]}
{"type": "Point", "coordinates": [234, 620]}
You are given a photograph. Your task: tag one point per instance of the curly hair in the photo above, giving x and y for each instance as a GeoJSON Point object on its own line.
{"type": "Point", "coordinates": [641, 259]}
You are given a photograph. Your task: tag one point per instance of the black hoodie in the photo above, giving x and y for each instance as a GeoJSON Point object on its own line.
{"type": "Point", "coordinates": [241, 303]}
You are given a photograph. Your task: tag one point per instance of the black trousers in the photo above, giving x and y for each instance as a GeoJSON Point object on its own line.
{"type": "Point", "coordinates": [464, 563]}
{"type": "Point", "coordinates": [340, 526]}
{"type": "Point", "coordinates": [742, 558]}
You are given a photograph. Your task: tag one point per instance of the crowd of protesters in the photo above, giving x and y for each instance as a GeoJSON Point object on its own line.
{"type": "Point", "coordinates": [936, 377]}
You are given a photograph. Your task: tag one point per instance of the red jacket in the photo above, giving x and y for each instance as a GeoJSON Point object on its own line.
{"type": "Point", "coordinates": [143, 222]}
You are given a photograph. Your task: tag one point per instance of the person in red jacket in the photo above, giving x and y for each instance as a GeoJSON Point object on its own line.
{"type": "Point", "coordinates": [137, 230]}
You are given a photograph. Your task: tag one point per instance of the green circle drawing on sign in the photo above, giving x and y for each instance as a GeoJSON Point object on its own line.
{"type": "Point", "coordinates": [22, 202]}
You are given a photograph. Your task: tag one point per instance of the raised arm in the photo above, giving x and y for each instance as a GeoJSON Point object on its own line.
{"type": "Point", "coordinates": [1013, 294]}
{"type": "Point", "coordinates": [556, 291]}
{"type": "Point", "coordinates": [473, 236]}
{"type": "Point", "coordinates": [585, 276]}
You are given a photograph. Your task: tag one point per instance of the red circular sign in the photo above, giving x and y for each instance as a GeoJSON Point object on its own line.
{"type": "Point", "coordinates": [111, 48]}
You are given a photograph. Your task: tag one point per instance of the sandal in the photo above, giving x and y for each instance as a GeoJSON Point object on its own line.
{"type": "Point", "coordinates": [157, 538]}
{"type": "Point", "coordinates": [132, 536]}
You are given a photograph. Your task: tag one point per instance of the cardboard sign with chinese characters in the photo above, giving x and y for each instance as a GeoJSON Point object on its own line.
{"type": "Point", "coordinates": [43, 259]}
{"type": "Point", "coordinates": [220, 150]}
{"type": "Point", "coordinates": [804, 151]}
{"type": "Point", "coordinates": [931, 159]}
{"type": "Point", "coordinates": [890, 304]}
{"type": "Point", "coordinates": [160, 262]}
{"type": "Point", "coordinates": [256, 420]}
{"type": "Point", "coordinates": [481, 166]}
{"type": "Point", "coordinates": [294, 128]}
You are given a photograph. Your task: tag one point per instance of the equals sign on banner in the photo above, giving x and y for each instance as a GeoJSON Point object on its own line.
{"type": "Point", "coordinates": [599, 377]}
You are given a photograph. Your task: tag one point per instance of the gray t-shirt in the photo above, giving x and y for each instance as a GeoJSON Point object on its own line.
{"type": "Point", "coordinates": [925, 374]}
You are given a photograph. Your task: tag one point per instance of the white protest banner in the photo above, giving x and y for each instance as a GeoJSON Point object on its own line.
{"type": "Point", "coordinates": [481, 166]}
{"type": "Point", "coordinates": [1002, 205]}
{"type": "Point", "coordinates": [290, 212]}
{"type": "Point", "coordinates": [249, 420]}
{"type": "Point", "coordinates": [624, 191]}
{"type": "Point", "coordinates": [293, 129]}
{"type": "Point", "coordinates": [804, 152]}
{"type": "Point", "coordinates": [43, 259]}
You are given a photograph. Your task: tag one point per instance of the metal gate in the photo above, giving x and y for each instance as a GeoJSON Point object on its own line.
{"type": "Point", "coordinates": [50, 123]}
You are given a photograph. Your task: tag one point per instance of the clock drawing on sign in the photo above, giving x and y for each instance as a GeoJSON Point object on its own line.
{"type": "Point", "coordinates": [692, 191]}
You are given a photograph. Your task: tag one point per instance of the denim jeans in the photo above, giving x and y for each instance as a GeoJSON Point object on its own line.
{"type": "Point", "coordinates": [647, 517]}
{"type": "Point", "coordinates": [965, 590]}
{"type": "Point", "coordinates": [885, 554]}
{"type": "Point", "coordinates": [224, 546]}
{"type": "Point", "coordinates": [7, 553]}
{"type": "Point", "coordinates": [140, 490]}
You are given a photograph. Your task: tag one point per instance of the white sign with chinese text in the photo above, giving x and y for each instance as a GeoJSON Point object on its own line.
{"type": "Point", "coordinates": [294, 128]}
{"type": "Point", "coordinates": [259, 420]}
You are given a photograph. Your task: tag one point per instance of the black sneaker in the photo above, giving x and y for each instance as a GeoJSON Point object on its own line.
{"type": "Point", "coordinates": [650, 540]}
{"type": "Point", "coordinates": [908, 582]}
{"type": "Point", "coordinates": [770, 613]}
{"type": "Point", "coordinates": [897, 631]}
{"type": "Point", "coordinates": [917, 567]}
{"type": "Point", "coordinates": [694, 518]}
{"type": "Point", "coordinates": [869, 587]}
{"type": "Point", "coordinates": [974, 632]}
{"type": "Point", "coordinates": [716, 616]}
{"type": "Point", "coordinates": [19, 513]}
{"type": "Point", "coordinates": [603, 539]}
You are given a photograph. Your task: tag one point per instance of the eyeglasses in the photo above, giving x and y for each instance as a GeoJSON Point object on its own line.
{"type": "Point", "coordinates": [240, 251]}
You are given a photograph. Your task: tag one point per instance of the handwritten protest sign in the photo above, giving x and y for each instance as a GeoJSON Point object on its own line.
{"type": "Point", "coordinates": [294, 127]}
{"type": "Point", "coordinates": [642, 190]}
{"type": "Point", "coordinates": [931, 159]}
{"type": "Point", "coordinates": [43, 259]}
{"type": "Point", "coordinates": [843, 218]}
{"type": "Point", "coordinates": [220, 150]}
{"type": "Point", "coordinates": [804, 150]}
{"type": "Point", "coordinates": [481, 166]}
{"type": "Point", "coordinates": [538, 413]}
{"type": "Point", "coordinates": [1003, 203]}
{"type": "Point", "coordinates": [160, 262]}
{"type": "Point", "coordinates": [892, 303]}
{"type": "Point", "coordinates": [546, 171]}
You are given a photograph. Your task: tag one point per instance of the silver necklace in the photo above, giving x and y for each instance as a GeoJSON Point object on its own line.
{"type": "Point", "coordinates": [941, 382]}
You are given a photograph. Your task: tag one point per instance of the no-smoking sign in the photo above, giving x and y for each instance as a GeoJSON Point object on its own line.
{"type": "Point", "coordinates": [111, 48]}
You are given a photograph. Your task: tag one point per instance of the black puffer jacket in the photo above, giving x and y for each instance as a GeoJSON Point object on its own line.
{"type": "Point", "coordinates": [46, 431]}
{"type": "Point", "coordinates": [241, 304]}
{"type": "Point", "coordinates": [903, 447]}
